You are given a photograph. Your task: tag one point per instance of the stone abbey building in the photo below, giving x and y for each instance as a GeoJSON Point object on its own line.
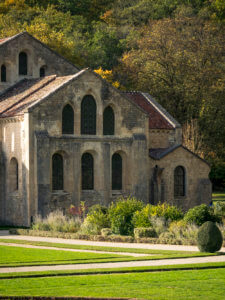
{"type": "Point", "coordinates": [66, 136]}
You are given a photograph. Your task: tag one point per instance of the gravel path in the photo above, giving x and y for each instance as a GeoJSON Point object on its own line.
{"type": "Point", "coordinates": [161, 262]}
{"type": "Point", "coordinates": [103, 244]}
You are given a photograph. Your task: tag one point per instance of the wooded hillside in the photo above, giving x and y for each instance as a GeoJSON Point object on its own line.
{"type": "Point", "coordinates": [172, 49]}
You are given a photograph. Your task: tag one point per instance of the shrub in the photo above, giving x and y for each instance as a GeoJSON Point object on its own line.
{"type": "Point", "coordinates": [98, 217]}
{"type": "Point", "coordinates": [160, 224]}
{"type": "Point", "coordinates": [187, 233]}
{"type": "Point", "coordinates": [121, 214]}
{"type": "Point", "coordinates": [209, 237]}
{"type": "Point", "coordinates": [144, 232]}
{"type": "Point", "coordinates": [57, 221]}
{"type": "Point", "coordinates": [142, 218]}
{"type": "Point", "coordinates": [106, 231]}
{"type": "Point", "coordinates": [219, 210]}
{"type": "Point", "coordinates": [167, 211]}
{"type": "Point", "coordinates": [200, 214]}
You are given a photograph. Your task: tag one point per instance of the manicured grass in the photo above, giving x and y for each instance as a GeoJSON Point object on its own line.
{"type": "Point", "coordinates": [16, 256]}
{"type": "Point", "coordinates": [193, 284]}
{"type": "Point", "coordinates": [113, 270]}
{"type": "Point", "coordinates": [218, 196]}
{"type": "Point", "coordinates": [155, 254]}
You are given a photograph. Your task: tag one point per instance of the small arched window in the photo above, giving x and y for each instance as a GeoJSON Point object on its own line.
{"type": "Point", "coordinates": [179, 181]}
{"type": "Point", "coordinates": [42, 72]}
{"type": "Point", "coordinates": [13, 175]}
{"type": "Point", "coordinates": [108, 121]}
{"type": "Point", "coordinates": [88, 115]}
{"type": "Point", "coordinates": [117, 170]}
{"type": "Point", "coordinates": [22, 63]}
{"type": "Point", "coordinates": [87, 165]}
{"type": "Point", "coordinates": [3, 73]}
{"type": "Point", "coordinates": [67, 120]}
{"type": "Point", "coordinates": [57, 172]}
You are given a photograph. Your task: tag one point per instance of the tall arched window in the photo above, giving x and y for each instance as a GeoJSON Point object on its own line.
{"type": "Point", "coordinates": [13, 175]}
{"type": "Point", "coordinates": [117, 170]}
{"type": "Point", "coordinates": [57, 172]}
{"type": "Point", "coordinates": [108, 121]}
{"type": "Point", "coordinates": [42, 72]}
{"type": "Point", "coordinates": [3, 73]}
{"type": "Point", "coordinates": [179, 181]}
{"type": "Point", "coordinates": [87, 165]}
{"type": "Point", "coordinates": [88, 115]}
{"type": "Point", "coordinates": [22, 63]}
{"type": "Point", "coordinates": [67, 120]}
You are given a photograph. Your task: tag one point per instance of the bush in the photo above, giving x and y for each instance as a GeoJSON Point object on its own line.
{"type": "Point", "coordinates": [187, 233]}
{"type": "Point", "coordinates": [219, 210]}
{"type": "Point", "coordinates": [144, 232]}
{"type": "Point", "coordinates": [209, 237]}
{"type": "Point", "coordinates": [98, 218]}
{"type": "Point", "coordinates": [142, 218]}
{"type": "Point", "coordinates": [121, 214]}
{"type": "Point", "coordinates": [57, 221]}
{"type": "Point", "coordinates": [200, 214]}
{"type": "Point", "coordinates": [106, 231]}
{"type": "Point", "coordinates": [160, 224]}
{"type": "Point", "coordinates": [167, 211]}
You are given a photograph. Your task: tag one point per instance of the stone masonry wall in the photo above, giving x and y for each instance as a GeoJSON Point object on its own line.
{"type": "Point", "coordinates": [197, 185]}
{"type": "Point", "coordinates": [38, 54]}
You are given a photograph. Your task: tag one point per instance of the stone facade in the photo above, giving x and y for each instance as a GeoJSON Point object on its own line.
{"type": "Point", "coordinates": [145, 136]}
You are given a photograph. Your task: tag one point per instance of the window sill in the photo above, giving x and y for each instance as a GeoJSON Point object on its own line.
{"type": "Point", "coordinates": [59, 192]}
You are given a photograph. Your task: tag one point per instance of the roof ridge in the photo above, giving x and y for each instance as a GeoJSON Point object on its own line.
{"type": "Point", "coordinates": [51, 78]}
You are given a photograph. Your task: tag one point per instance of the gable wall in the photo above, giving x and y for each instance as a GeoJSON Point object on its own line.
{"type": "Point", "coordinates": [38, 56]}
{"type": "Point", "coordinates": [130, 140]}
{"type": "Point", "coordinates": [198, 186]}
{"type": "Point", "coordinates": [162, 138]}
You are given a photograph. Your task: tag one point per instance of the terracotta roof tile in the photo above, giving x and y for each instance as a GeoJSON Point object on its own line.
{"type": "Point", "coordinates": [158, 117]}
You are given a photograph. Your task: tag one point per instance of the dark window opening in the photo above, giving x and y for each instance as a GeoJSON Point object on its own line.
{"type": "Point", "coordinates": [179, 181]}
{"type": "Point", "coordinates": [57, 172]}
{"type": "Point", "coordinates": [67, 120]}
{"type": "Point", "coordinates": [88, 115]}
{"type": "Point", "coordinates": [87, 171]}
{"type": "Point", "coordinates": [42, 72]}
{"type": "Point", "coordinates": [22, 63]}
{"type": "Point", "coordinates": [14, 175]}
{"type": "Point", "coordinates": [3, 73]}
{"type": "Point", "coordinates": [108, 121]}
{"type": "Point", "coordinates": [117, 170]}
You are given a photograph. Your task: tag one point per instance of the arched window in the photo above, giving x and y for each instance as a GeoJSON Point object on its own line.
{"type": "Point", "coordinates": [108, 121]}
{"type": "Point", "coordinates": [87, 164]}
{"type": "Point", "coordinates": [88, 115]}
{"type": "Point", "coordinates": [22, 63]}
{"type": "Point", "coordinates": [42, 72]}
{"type": "Point", "coordinates": [3, 73]}
{"type": "Point", "coordinates": [67, 120]}
{"type": "Point", "coordinates": [179, 181]}
{"type": "Point", "coordinates": [117, 169]}
{"type": "Point", "coordinates": [57, 172]}
{"type": "Point", "coordinates": [13, 175]}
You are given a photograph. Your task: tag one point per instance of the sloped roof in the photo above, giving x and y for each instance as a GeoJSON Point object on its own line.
{"type": "Point", "coordinates": [159, 153]}
{"type": "Point", "coordinates": [159, 118]}
{"type": "Point", "coordinates": [26, 93]}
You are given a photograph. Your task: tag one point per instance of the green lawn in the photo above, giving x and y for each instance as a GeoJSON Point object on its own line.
{"type": "Point", "coordinates": [169, 268]}
{"type": "Point", "coordinates": [193, 284]}
{"type": "Point", "coordinates": [16, 256]}
{"type": "Point", "coordinates": [218, 196]}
